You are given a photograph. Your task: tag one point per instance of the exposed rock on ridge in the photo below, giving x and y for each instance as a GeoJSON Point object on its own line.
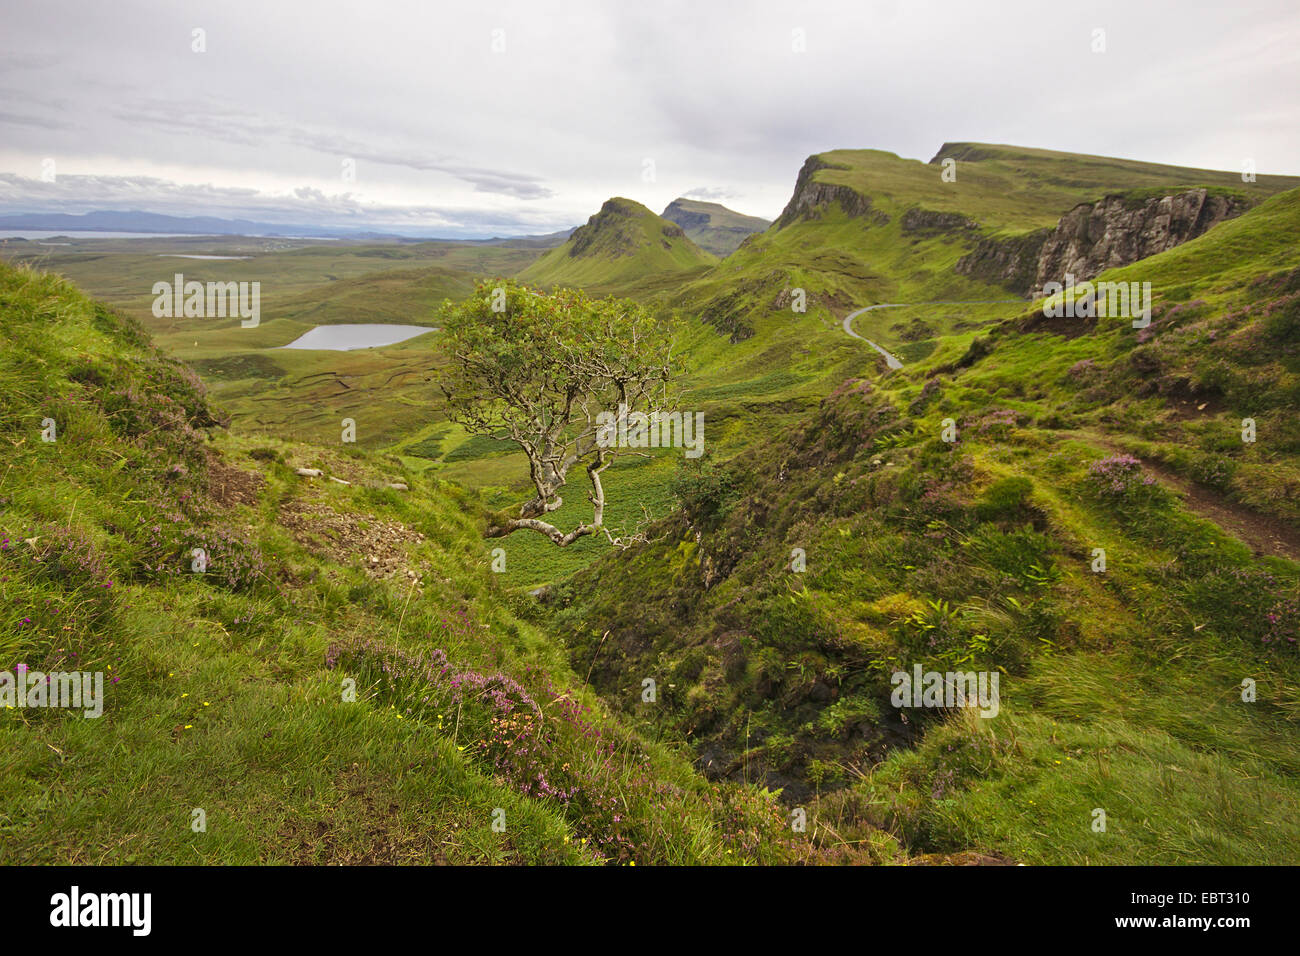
{"type": "Point", "coordinates": [1093, 237]}
{"type": "Point", "coordinates": [811, 198]}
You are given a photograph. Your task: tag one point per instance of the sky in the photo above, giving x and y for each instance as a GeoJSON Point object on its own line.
{"type": "Point", "coordinates": [499, 118]}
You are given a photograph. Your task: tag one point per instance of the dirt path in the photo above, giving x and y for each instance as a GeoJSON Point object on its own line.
{"type": "Point", "coordinates": [1261, 533]}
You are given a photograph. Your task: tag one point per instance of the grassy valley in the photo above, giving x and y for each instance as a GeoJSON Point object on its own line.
{"type": "Point", "coordinates": [979, 553]}
{"type": "Point", "coordinates": [1066, 503]}
{"type": "Point", "coordinates": [228, 686]}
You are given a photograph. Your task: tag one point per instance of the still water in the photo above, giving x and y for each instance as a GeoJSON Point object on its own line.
{"type": "Point", "coordinates": [345, 338]}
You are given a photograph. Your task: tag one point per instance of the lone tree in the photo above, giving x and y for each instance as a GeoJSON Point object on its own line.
{"type": "Point", "coordinates": [539, 370]}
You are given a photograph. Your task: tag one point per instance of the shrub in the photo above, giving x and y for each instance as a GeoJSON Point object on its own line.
{"type": "Point", "coordinates": [704, 492]}
{"type": "Point", "coordinates": [1005, 498]}
{"type": "Point", "coordinates": [1213, 470]}
{"type": "Point", "coordinates": [1121, 477]}
{"type": "Point", "coordinates": [1282, 320]}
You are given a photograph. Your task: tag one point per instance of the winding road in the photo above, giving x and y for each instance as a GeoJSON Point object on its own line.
{"type": "Point", "coordinates": [892, 360]}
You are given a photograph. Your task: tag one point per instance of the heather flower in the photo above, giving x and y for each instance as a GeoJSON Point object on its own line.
{"type": "Point", "coordinates": [1120, 475]}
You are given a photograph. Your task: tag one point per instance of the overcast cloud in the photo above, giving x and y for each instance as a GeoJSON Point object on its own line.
{"type": "Point", "coordinates": [449, 134]}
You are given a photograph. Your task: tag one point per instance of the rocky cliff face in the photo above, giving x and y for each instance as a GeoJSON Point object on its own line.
{"type": "Point", "coordinates": [928, 222]}
{"type": "Point", "coordinates": [1011, 262]}
{"type": "Point", "coordinates": [811, 198]}
{"type": "Point", "coordinates": [1093, 237]}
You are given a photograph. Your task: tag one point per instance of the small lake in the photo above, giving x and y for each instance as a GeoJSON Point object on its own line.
{"type": "Point", "coordinates": [345, 338]}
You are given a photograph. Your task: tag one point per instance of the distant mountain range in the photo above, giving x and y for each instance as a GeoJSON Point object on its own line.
{"type": "Point", "coordinates": [139, 221]}
{"type": "Point", "coordinates": [710, 226]}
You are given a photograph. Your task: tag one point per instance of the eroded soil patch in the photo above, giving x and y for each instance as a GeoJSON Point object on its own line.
{"type": "Point", "coordinates": [377, 545]}
{"type": "Point", "coordinates": [230, 486]}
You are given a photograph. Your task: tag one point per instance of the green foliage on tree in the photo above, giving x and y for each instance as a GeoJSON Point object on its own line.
{"type": "Point", "coordinates": [549, 372]}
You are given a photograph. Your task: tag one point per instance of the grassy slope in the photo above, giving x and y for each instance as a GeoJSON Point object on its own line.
{"type": "Point", "coordinates": [1220, 348]}
{"type": "Point", "coordinates": [746, 390]}
{"type": "Point", "coordinates": [220, 692]}
{"type": "Point", "coordinates": [618, 249]}
{"type": "Point", "coordinates": [300, 395]}
{"type": "Point", "coordinates": [1017, 188]}
{"type": "Point", "coordinates": [1103, 173]}
{"type": "Point", "coordinates": [1121, 690]}
{"type": "Point", "coordinates": [848, 261]}
{"type": "Point", "coordinates": [990, 795]}
{"type": "Point", "coordinates": [784, 361]}
{"type": "Point", "coordinates": [712, 226]}
{"type": "Point", "coordinates": [303, 396]}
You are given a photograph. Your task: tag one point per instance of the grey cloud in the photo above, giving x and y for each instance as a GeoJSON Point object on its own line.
{"type": "Point", "coordinates": [542, 133]}
{"type": "Point", "coordinates": [80, 194]}
{"type": "Point", "coordinates": [189, 118]}
{"type": "Point", "coordinates": [40, 122]}
{"type": "Point", "coordinates": [11, 62]}
{"type": "Point", "coordinates": [232, 126]}
{"type": "Point", "coordinates": [709, 193]}
{"type": "Point", "coordinates": [484, 180]}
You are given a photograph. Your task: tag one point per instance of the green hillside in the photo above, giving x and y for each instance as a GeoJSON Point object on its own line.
{"type": "Point", "coordinates": [865, 226]}
{"type": "Point", "coordinates": [1122, 688]}
{"type": "Point", "coordinates": [296, 395]}
{"type": "Point", "coordinates": [225, 686]}
{"type": "Point", "coordinates": [618, 249]}
{"type": "Point", "coordinates": [753, 365]}
{"type": "Point", "coordinates": [712, 226]}
{"type": "Point", "coordinates": [1012, 187]}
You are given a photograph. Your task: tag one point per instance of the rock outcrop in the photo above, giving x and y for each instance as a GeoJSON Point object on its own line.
{"type": "Point", "coordinates": [811, 198]}
{"type": "Point", "coordinates": [1093, 237]}
{"type": "Point", "coordinates": [1011, 262]}
{"type": "Point", "coordinates": [1119, 230]}
{"type": "Point", "coordinates": [928, 222]}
